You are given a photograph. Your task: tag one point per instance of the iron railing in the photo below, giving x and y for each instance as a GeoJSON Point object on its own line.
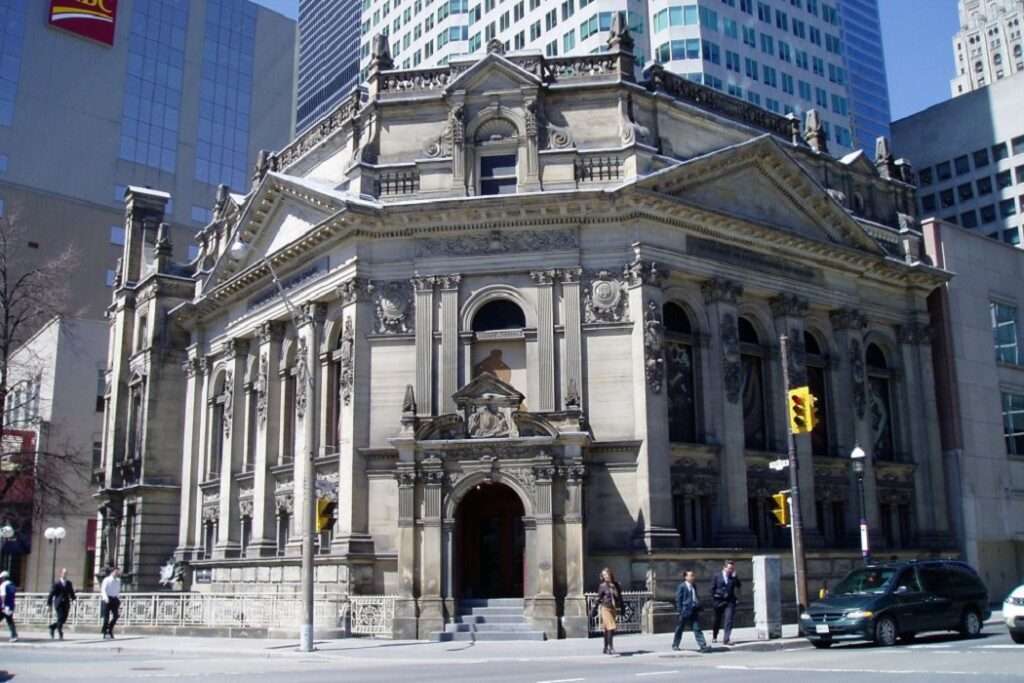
{"type": "Point", "coordinates": [632, 610]}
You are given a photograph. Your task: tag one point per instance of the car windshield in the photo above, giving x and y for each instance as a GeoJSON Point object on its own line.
{"type": "Point", "coordinates": [871, 580]}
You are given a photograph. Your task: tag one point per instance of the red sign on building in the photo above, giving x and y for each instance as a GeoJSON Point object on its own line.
{"type": "Point", "coordinates": [94, 19]}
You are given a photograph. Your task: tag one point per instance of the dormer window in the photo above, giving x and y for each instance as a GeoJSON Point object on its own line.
{"type": "Point", "coordinates": [498, 174]}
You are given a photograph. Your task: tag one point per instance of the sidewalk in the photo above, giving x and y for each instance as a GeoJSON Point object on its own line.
{"type": "Point", "coordinates": [409, 650]}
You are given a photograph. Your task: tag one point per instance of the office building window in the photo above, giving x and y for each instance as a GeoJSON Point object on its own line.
{"type": "Point", "coordinates": [984, 186]}
{"type": "Point", "coordinates": [981, 158]}
{"type": "Point", "coordinates": [1004, 179]}
{"type": "Point", "coordinates": [962, 164]}
{"type": "Point", "coordinates": [928, 203]}
{"type": "Point", "coordinates": [965, 191]}
{"type": "Point", "coordinates": [498, 174]}
{"type": "Point", "coordinates": [1004, 332]}
{"type": "Point", "coordinates": [942, 171]}
{"type": "Point", "coordinates": [999, 152]}
{"type": "Point", "coordinates": [988, 213]}
{"type": "Point", "coordinates": [153, 87]}
{"type": "Point", "coordinates": [1020, 175]}
{"type": "Point", "coordinates": [12, 39]}
{"type": "Point", "coordinates": [1013, 423]}
{"type": "Point", "coordinates": [1007, 208]}
{"type": "Point", "coordinates": [946, 198]}
{"type": "Point", "coordinates": [924, 176]}
{"type": "Point", "coordinates": [969, 219]}
{"type": "Point", "coordinates": [1018, 143]}
{"type": "Point", "coordinates": [1011, 236]}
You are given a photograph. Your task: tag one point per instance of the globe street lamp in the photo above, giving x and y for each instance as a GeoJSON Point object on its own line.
{"type": "Point", "coordinates": [6, 534]}
{"type": "Point", "coordinates": [857, 455]}
{"type": "Point", "coordinates": [54, 535]}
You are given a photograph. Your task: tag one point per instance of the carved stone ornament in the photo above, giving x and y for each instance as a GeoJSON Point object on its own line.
{"type": "Point", "coordinates": [393, 307]}
{"type": "Point", "coordinates": [409, 400]}
{"type": "Point", "coordinates": [271, 331]}
{"type": "Point", "coordinates": [261, 390]}
{"type": "Point", "coordinates": [572, 396]}
{"type": "Point", "coordinates": [327, 486]}
{"type": "Point", "coordinates": [352, 290]}
{"type": "Point", "coordinates": [654, 347]}
{"type": "Point", "coordinates": [301, 378]}
{"type": "Point", "coordinates": [605, 299]}
{"type": "Point", "coordinates": [171, 572]}
{"type": "Point", "coordinates": [857, 375]}
{"type": "Point", "coordinates": [559, 137]}
{"type": "Point", "coordinates": [285, 502]}
{"type": "Point", "coordinates": [847, 319]}
{"type": "Point", "coordinates": [488, 421]}
{"type": "Point", "coordinates": [498, 242]}
{"type": "Point", "coordinates": [346, 352]}
{"type": "Point", "coordinates": [229, 400]}
{"type": "Point", "coordinates": [211, 513]}
{"type": "Point", "coordinates": [406, 478]}
{"type": "Point", "coordinates": [788, 305]}
{"type": "Point", "coordinates": [718, 289]}
{"type": "Point", "coordinates": [732, 375]}
{"type": "Point", "coordinates": [543, 277]}
{"type": "Point", "coordinates": [642, 272]}
{"type": "Point", "coordinates": [488, 404]}
{"type": "Point", "coordinates": [245, 507]}
{"type": "Point", "coordinates": [915, 333]}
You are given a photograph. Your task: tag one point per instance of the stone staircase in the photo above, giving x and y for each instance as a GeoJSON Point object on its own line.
{"type": "Point", "coordinates": [489, 619]}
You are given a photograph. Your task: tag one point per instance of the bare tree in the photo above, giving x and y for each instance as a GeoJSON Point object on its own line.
{"type": "Point", "coordinates": [33, 291]}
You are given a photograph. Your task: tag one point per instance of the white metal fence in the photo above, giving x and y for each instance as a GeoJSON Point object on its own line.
{"type": "Point", "coordinates": [630, 617]}
{"type": "Point", "coordinates": [368, 614]}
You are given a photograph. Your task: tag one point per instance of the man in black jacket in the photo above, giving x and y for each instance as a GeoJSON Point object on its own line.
{"type": "Point", "coordinates": [688, 604]}
{"type": "Point", "coordinates": [60, 599]}
{"type": "Point", "coordinates": [725, 592]}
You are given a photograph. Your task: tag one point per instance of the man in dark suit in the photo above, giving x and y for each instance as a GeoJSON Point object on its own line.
{"type": "Point", "coordinates": [688, 604]}
{"type": "Point", "coordinates": [725, 592]}
{"type": "Point", "coordinates": [60, 599]}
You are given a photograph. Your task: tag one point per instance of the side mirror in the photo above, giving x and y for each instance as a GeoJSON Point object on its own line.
{"type": "Point", "coordinates": [902, 589]}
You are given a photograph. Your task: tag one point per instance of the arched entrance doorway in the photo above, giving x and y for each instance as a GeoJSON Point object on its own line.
{"type": "Point", "coordinates": [489, 543]}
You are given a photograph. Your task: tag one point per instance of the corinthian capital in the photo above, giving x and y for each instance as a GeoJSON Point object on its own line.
{"type": "Point", "coordinates": [352, 290]}
{"type": "Point", "coordinates": [718, 290]}
{"type": "Point", "coordinates": [788, 306]}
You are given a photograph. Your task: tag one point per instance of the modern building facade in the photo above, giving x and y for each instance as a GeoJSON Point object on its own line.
{"type": "Point", "coordinates": [988, 46]}
{"type": "Point", "coordinates": [56, 395]}
{"type": "Point", "coordinates": [529, 328]}
{"type": "Point", "coordinates": [970, 175]}
{"type": "Point", "coordinates": [782, 55]}
{"type": "Point", "coordinates": [328, 59]}
{"type": "Point", "coordinates": [980, 383]}
{"type": "Point", "coordinates": [183, 100]}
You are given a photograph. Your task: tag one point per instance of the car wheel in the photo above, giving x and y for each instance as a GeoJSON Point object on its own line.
{"type": "Point", "coordinates": [886, 632]}
{"type": "Point", "coordinates": [824, 644]}
{"type": "Point", "coordinates": [907, 638]}
{"type": "Point", "coordinates": [970, 624]}
{"type": "Point", "coordinates": [1018, 637]}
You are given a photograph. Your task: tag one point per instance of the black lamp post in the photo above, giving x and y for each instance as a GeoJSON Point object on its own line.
{"type": "Point", "coordinates": [858, 456]}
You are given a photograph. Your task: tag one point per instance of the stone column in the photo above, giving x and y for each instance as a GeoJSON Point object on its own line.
{"type": "Point", "coordinates": [531, 179]}
{"type": "Point", "coordinates": [725, 411]}
{"type": "Point", "coordinates": [431, 567]}
{"type": "Point", "coordinates": [789, 311]}
{"type": "Point", "coordinates": [922, 421]}
{"type": "Point", "coordinates": [268, 424]}
{"type": "Point", "coordinates": [351, 535]}
{"type": "Point", "coordinates": [544, 280]}
{"type": "Point", "coordinates": [228, 542]}
{"type": "Point", "coordinates": [653, 472]}
{"type": "Point", "coordinates": [424, 288]}
{"type": "Point", "coordinates": [307, 388]}
{"type": "Point", "coordinates": [195, 400]}
{"type": "Point", "coordinates": [543, 613]}
{"type": "Point", "coordinates": [576, 620]}
{"type": "Point", "coordinates": [851, 381]}
{"type": "Point", "coordinates": [404, 625]}
{"type": "Point", "coordinates": [449, 340]}
{"type": "Point", "coordinates": [572, 363]}
{"type": "Point", "coordinates": [203, 449]}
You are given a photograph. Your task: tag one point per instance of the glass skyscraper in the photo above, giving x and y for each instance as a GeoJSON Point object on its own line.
{"type": "Point", "coordinates": [328, 66]}
{"type": "Point", "coordinates": [868, 87]}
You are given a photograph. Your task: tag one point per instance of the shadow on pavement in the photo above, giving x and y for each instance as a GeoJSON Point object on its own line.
{"type": "Point", "coordinates": [928, 639]}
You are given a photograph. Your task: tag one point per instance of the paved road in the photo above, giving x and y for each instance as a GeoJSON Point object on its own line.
{"type": "Point", "coordinates": [992, 657]}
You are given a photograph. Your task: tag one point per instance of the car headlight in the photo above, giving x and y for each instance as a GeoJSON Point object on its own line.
{"type": "Point", "coordinates": [859, 614]}
{"type": "Point", "coordinates": [1015, 601]}
{"type": "Point", "coordinates": [805, 615]}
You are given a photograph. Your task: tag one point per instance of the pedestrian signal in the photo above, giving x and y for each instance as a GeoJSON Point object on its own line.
{"type": "Point", "coordinates": [781, 509]}
{"type": "Point", "coordinates": [802, 406]}
{"type": "Point", "coordinates": [323, 516]}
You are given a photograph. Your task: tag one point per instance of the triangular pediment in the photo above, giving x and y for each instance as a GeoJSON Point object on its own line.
{"type": "Point", "coordinates": [758, 182]}
{"type": "Point", "coordinates": [859, 162]}
{"type": "Point", "coordinates": [493, 73]}
{"type": "Point", "coordinates": [486, 387]}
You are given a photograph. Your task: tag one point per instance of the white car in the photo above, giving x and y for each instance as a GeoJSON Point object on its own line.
{"type": "Point", "coordinates": [1013, 613]}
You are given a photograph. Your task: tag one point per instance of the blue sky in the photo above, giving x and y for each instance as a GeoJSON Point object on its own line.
{"type": "Point", "coordinates": [918, 42]}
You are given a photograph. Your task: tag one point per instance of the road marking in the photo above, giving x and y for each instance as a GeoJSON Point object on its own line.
{"type": "Point", "coordinates": [942, 646]}
{"type": "Point", "coordinates": [657, 673]}
{"type": "Point", "coordinates": [562, 680]}
{"type": "Point", "coordinates": [891, 672]}
{"type": "Point", "coordinates": [998, 647]}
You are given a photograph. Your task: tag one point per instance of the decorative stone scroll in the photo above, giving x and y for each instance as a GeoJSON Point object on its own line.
{"type": "Point", "coordinates": [498, 242]}
{"type": "Point", "coordinates": [732, 371]}
{"type": "Point", "coordinates": [261, 390]}
{"type": "Point", "coordinates": [654, 351]}
{"type": "Point", "coordinates": [301, 378]}
{"type": "Point", "coordinates": [605, 299]}
{"type": "Point", "coordinates": [346, 352]}
{"type": "Point", "coordinates": [393, 307]}
{"type": "Point", "coordinates": [229, 401]}
{"type": "Point", "coordinates": [858, 377]}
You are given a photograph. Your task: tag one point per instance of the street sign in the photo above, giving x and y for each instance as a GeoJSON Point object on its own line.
{"type": "Point", "coordinates": [779, 465]}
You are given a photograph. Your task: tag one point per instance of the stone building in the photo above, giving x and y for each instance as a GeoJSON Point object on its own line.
{"type": "Point", "coordinates": [522, 316]}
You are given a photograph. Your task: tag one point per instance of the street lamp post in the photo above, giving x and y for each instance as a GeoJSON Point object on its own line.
{"type": "Point", "coordinates": [857, 455]}
{"type": "Point", "coordinates": [237, 252]}
{"type": "Point", "coordinates": [6, 534]}
{"type": "Point", "coordinates": [54, 535]}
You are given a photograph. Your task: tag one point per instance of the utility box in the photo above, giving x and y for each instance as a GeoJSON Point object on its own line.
{"type": "Point", "coordinates": [767, 596]}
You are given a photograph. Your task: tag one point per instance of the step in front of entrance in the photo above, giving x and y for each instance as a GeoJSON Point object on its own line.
{"type": "Point", "coordinates": [489, 619]}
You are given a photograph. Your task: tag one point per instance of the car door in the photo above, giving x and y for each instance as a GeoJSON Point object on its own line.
{"type": "Point", "coordinates": [937, 606]}
{"type": "Point", "coordinates": [910, 602]}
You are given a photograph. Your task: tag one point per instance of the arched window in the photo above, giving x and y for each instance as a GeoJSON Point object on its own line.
{"type": "Point", "coordinates": [216, 451]}
{"type": "Point", "coordinates": [755, 423]}
{"type": "Point", "coordinates": [499, 346]}
{"type": "Point", "coordinates": [880, 402]}
{"type": "Point", "coordinates": [817, 382]}
{"type": "Point", "coordinates": [501, 314]}
{"type": "Point", "coordinates": [284, 520]}
{"type": "Point", "coordinates": [680, 375]}
{"type": "Point", "coordinates": [341, 383]}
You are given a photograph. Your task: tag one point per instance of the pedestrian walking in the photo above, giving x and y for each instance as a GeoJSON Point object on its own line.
{"type": "Point", "coordinates": [61, 595]}
{"type": "Point", "coordinates": [609, 604]}
{"type": "Point", "coordinates": [110, 601]}
{"type": "Point", "coordinates": [725, 594]}
{"type": "Point", "coordinates": [7, 592]}
{"type": "Point", "coordinates": [688, 604]}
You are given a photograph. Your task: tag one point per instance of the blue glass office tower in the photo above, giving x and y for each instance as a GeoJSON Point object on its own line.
{"type": "Point", "coordinates": [328, 56]}
{"type": "Point", "coordinates": [868, 89]}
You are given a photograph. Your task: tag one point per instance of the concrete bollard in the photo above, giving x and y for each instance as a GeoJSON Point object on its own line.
{"type": "Point", "coordinates": [767, 597]}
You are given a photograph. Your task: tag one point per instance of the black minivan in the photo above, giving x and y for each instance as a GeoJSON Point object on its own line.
{"type": "Point", "coordinates": [897, 600]}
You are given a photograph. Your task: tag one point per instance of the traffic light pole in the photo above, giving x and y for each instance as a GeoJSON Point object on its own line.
{"type": "Point", "coordinates": [795, 517]}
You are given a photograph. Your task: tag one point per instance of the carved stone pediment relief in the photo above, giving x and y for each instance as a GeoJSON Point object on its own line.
{"type": "Point", "coordinates": [487, 405]}
{"type": "Point", "coordinates": [605, 299]}
{"type": "Point", "coordinates": [393, 307]}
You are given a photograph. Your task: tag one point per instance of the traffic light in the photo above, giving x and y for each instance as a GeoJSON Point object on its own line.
{"type": "Point", "coordinates": [802, 406]}
{"type": "Point", "coordinates": [781, 509]}
{"type": "Point", "coordinates": [323, 516]}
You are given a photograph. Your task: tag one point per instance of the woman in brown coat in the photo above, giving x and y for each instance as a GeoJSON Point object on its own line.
{"type": "Point", "coordinates": [609, 604]}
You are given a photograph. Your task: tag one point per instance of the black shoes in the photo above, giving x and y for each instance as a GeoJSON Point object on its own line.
{"type": "Point", "coordinates": [52, 629]}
